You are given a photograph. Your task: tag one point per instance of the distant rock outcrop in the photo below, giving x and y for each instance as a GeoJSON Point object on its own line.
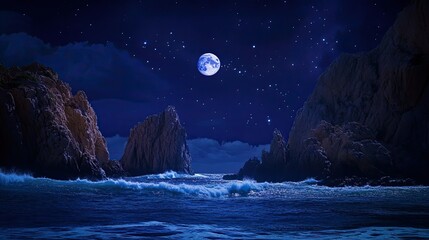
{"type": "Point", "coordinates": [46, 130]}
{"type": "Point", "coordinates": [272, 166]}
{"type": "Point", "coordinates": [157, 145]}
{"type": "Point", "coordinates": [368, 116]}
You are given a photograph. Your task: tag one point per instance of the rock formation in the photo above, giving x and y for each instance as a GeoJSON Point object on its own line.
{"type": "Point", "coordinates": [46, 130]}
{"type": "Point", "coordinates": [271, 167]}
{"type": "Point", "coordinates": [157, 145]}
{"type": "Point", "coordinates": [368, 116]}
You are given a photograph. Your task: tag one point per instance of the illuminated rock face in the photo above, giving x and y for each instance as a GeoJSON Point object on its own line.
{"type": "Point", "coordinates": [157, 145]}
{"type": "Point", "coordinates": [46, 130]}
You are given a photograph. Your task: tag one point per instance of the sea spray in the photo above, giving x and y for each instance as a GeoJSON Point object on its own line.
{"type": "Point", "coordinates": [171, 175]}
{"type": "Point", "coordinates": [212, 190]}
{"type": "Point", "coordinates": [12, 177]}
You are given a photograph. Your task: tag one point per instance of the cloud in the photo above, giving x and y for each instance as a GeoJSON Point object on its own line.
{"type": "Point", "coordinates": [101, 70]}
{"type": "Point", "coordinates": [208, 155]}
{"type": "Point", "coordinates": [20, 49]}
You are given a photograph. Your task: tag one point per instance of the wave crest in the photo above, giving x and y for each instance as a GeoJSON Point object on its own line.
{"type": "Point", "coordinates": [218, 190]}
{"type": "Point", "coordinates": [172, 175]}
{"type": "Point", "coordinates": [213, 190]}
{"type": "Point", "coordinates": [13, 177]}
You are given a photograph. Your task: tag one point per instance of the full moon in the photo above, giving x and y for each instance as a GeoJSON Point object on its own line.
{"type": "Point", "coordinates": [208, 64]}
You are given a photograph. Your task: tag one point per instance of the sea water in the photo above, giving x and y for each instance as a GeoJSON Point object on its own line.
{"type": "Point", "coordinates": [203, 206]}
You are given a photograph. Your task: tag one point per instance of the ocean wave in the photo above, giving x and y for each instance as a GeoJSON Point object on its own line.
{"type": "Point", "coordinates": [309, 181]}
{"type": "Point", "coordinates": [236, 188]}
{"type": "Point", "coordinates": [140, 230]}
{"type": "Point", "coordinates": [13, 177]}
{"type": "Point", "coordinates": [172, 175]}
{"type": "Point", "coordinates": [209, 186]}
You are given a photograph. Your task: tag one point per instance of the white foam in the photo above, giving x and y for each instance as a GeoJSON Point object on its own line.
{"type": "Point", "coordinates": [172, 175]}
{"type": "Point", "coordinates": [13, 177]}
{"type": "Point", "coordinates": [217, 190]}
{"type": "Point", "coordinates": [220, 189]}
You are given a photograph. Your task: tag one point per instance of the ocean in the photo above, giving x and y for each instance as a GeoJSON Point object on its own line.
{"type": "Point", "coordinates": [203, 206]}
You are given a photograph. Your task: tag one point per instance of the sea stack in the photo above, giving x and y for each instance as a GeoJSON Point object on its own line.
{"type": "Point", "coordinates": [157, 145]}
{"type": "Point", "coordinates": [368, 116]}
{"type": "Point", "coordinates": [47, 131]}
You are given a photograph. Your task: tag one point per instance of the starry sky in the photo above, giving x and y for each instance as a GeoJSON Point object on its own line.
{"type": "Point", "coordinates": [134, 58]}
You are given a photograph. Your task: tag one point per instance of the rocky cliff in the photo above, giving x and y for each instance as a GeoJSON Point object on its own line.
{"type": "Point", "coordinates": [368, 116]}
{"type": "Point", "coordinates": [46, 130]}
{"type": "Point", "coordinates": [157, 145]}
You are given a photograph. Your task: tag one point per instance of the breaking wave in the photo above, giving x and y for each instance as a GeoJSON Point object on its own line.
{"type": "Point", "coordinates": [233, 188]}
{"type": "Point", "coordinates": [205, 186]}
{"type": "Point", "coordinates": [172, 175]}
{"type": "Point", "coordinates": [13, 177]}
{"type": "Point", "coordinates": [236, 188]}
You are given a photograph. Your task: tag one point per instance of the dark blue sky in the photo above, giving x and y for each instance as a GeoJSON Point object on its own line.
{"type": "Point", "coordinates": [133, 58]}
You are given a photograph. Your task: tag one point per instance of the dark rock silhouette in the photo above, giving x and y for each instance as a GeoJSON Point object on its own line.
{"type": "Point", "coordinates": [368, 116]}
{"type": "Point", "coordinates": [157, 145]}
{"type": "Point", "coordinates": [270, 168]}
{"type": "Point", "coordinates": [251, 169]}
{"type": "Point", "coordinates": [46, 130]}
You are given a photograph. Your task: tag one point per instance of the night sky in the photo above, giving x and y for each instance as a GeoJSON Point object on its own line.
{"type": "Point", "coordinates": [134, 58]}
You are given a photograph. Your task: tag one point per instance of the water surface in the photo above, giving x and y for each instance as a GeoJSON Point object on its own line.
{"type": "Point", "coordinates": [175, 206]}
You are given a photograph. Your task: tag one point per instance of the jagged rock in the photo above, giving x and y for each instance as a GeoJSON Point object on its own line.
{"type": "Point", "coordinates": [277, 154]}
{"type": "Point", "coordinates": [46, 130]}
{"type": "Point", "coordinates": [273, 163]}
{"type": "Point", "coordinates": [368, 115]}
{"type": "Point", "coordinates": [157, 145]}
{"type": "Point", "coordinates": [272, 166]}
{"type": "Point", "coordinates": [352, 150]}
{"type": "Point", "coordinates": [370, 111]}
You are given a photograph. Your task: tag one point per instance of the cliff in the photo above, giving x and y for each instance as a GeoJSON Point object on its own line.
{"type": "Point", "coordinates": [157, 145]}
{"type": "Point", "coordinates": [368, 116]}
{"type": "Point", "coordinates": [46, 130]}
{"type": "Point", "coordinates": [369, 112]}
